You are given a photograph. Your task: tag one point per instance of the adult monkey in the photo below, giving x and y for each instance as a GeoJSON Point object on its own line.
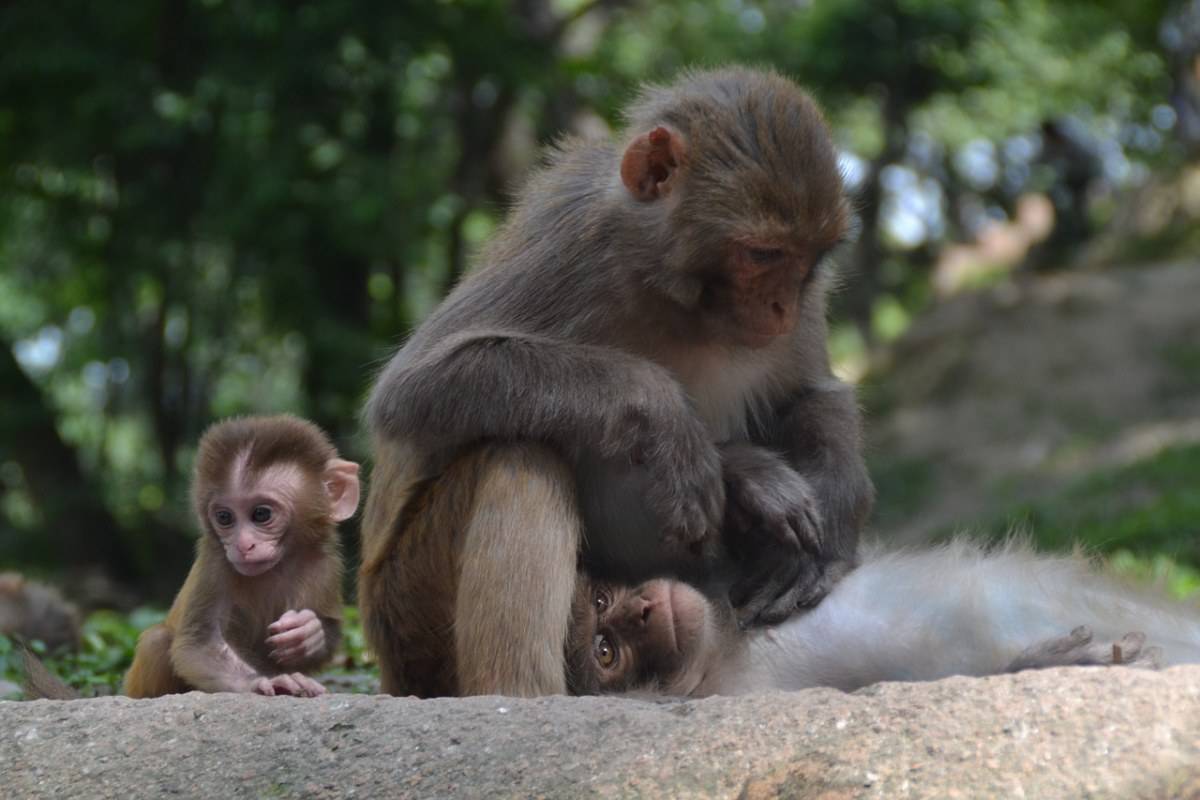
{"type": "Point", "coordinates": [644, 302]}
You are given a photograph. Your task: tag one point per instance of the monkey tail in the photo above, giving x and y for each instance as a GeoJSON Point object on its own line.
{"type": "Point", "coordinates": [396, 476]}
{"type": "Point", "coordinates": [40, 682]}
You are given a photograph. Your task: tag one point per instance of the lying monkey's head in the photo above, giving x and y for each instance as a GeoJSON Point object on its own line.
{"type": "Point", "coordinates": [662, 636]}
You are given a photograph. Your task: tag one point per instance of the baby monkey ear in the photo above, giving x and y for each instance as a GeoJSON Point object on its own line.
{"type": "Point", "coordinates": [341, 485]}
{"type": "Point", "coordinates": [651, 163]}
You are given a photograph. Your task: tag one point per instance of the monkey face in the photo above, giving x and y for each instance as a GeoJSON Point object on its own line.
{"type": "Point", "coordinates": [251, 518]}
{"type": "Point", "coordinates": [660, 634]}
{"type": "Point", "coordinates": [747, 177]}
{"type": "Point", "coordinates": [249, 529]}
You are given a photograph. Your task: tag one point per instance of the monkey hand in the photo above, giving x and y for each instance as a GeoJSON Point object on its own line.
{"type": "Point", "coordinates": [297, 638]}
{"type": "Point", "coordinates": [1077, 649]}
{"type": "Point", "coordinates": [296, 684]}
{"type": "Point", "coordinates": [668, 443]}
{"type": "Point", "coordinates": [773, 531]}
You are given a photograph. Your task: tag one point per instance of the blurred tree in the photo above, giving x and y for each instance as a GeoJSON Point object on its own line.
{"type": "Point", "coordinates": [222, 207]}
{"type": "Point", "coordinates": [211, 207]}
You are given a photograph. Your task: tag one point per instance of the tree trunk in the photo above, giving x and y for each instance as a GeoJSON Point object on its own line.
{"type": "Point", "coordinates": [78, 529]}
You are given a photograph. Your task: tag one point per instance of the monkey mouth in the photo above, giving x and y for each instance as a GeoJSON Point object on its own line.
{"type": "Point", "coordinates": [252, 568]}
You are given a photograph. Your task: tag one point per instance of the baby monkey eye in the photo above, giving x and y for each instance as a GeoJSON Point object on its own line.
{"type": "Point", "coordinates": [261, 514]}
{"type": "Point", "coordinates": [224, 517]}
{"type": "Point", "coordinates": [602, 601]}
{"type": "Point", "coordinates": [606, 653]}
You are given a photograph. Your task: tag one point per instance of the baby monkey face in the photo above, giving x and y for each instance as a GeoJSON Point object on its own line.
{"type": "Point", "coordinates": [659, 636]}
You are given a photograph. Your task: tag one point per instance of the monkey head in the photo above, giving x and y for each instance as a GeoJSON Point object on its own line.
{"type": "Point", "coordinates": [736, 183]}
{"type": "Point", "coordinates": [264, 486]}
{"type": "Point", "coordinates": [661, 636]}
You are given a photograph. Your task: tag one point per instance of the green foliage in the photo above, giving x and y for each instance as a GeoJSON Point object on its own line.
{"type": "Point", "coordinates": [210, 208]}
{"type": "Point", "coordinates": [105, 652]}
{"type": "Point", "coordinates": [903, 486]}
{"type": "Point", "coordinates": [1179, 580]}
{"type": "Point", "coordinates": [1148, 511]}
{"type": "Point", "coordinates": [109, 640]}
{"type": "Point", "coordinates": [354, 655]}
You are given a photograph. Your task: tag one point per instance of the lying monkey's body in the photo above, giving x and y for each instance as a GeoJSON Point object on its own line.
{"type": "Point", "coordinates": [959, 609]}
{"type": "Point", "coordinates": [955, 610]}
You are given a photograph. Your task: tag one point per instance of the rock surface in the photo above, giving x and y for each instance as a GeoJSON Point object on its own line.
{"type": "Point", "coordinates": [1058, 733]}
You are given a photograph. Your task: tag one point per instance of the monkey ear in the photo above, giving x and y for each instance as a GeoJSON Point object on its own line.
{"type": "Point", "coordinates": [651, 162]}
{"type": "Point", "coordinates": [341, 484]}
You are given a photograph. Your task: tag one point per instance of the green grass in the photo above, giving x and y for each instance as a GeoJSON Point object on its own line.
{"type": "Point", "coordinates": [1144, 516]}
{"type": "Point", "coordinates": [903, 486]}
{"type": "Point", "coordinates": [1182, 362]}
{"type": "Point", "coordinates": [109, 639]}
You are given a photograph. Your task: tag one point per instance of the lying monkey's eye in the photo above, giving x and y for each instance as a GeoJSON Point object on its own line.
{"type": "Point", "coordinates": [224, 517]}
{"type": "Point", "coordinates": [606, 653]}
{"type": "Point", "coordinates": [602, 601]}
{"type": "Point", "coordinates": [764, 255]}
{"type": "Point", "coordinates": [261, 514]}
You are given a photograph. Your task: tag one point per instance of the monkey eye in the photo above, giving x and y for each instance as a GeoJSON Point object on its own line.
{"type": "Point", "coordinates": [261, 514]}
{"type": "Point", "coordinates": [224, 517]}
{"type": "Point", "coordinates": [606, 652]}
{"type": "Point", "coordinates": [764, 256]}
{"type": "Point", "coordinates": [602, 601]}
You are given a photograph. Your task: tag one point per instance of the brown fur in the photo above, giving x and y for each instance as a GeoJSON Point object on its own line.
{"type": "Point", "coordinates": [431, 605]}
{"type": "Point", "coordinates": [215, 600]}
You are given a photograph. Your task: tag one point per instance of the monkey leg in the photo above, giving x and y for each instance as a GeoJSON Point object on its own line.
{"type": "Point", "coordinates": [500, 523]}
{"type": "Point", "coordinates": [412, 536]}
{"type": "Point", "coordinates": [151, 674]}
{"type": "Point", "coordinates": [517, 578]}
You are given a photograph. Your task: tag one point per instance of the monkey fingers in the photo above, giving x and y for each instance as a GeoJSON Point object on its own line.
{"type": "Point", "coordinates": [773, 573]}
{"type": "Point", "coordinates": [297, 636]}
{"type": "Point", "coordinates": [263, 686]}
{"type": "Point", "coordinates": [772, 593]}
{"type": "Point", "coordinates": [1077, 649]}
{"type": "Point", "coordinates": [308, 686]}
{"type": "Point", "coordinates": [296, 684]}
{"type": "Point", "coordinates": [763, 490]}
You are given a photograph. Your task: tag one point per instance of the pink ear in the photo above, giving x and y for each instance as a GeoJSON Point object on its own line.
{"type": "Point", "coordinates": [650, 162]}
{"type": "Point", "coordinates": [341, 484]}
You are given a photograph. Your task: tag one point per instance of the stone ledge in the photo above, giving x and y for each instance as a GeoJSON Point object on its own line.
{"type": "Point", "coordinates": [1057, 733]}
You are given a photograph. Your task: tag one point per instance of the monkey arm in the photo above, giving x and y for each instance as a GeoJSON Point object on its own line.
{"type": "Point", "coordinates": [820, 434]}
{"type": "Point", "coordinates": [796, 502]}
{"type": "Point", "coordinates": [200, 653]}
{"type": "Point", "coordinates": [509, 385]}
{"type": "Point", "coordinates": [578, 398]}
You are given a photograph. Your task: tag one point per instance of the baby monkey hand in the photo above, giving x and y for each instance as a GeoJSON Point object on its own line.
{"type": "Point", "coordinates": [296, 638]}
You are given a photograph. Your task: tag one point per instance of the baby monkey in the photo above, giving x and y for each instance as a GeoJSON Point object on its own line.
{"type": "Point", "coordinates": [262, 604]}
{"type": "Point", "coordinates": [922, 615]}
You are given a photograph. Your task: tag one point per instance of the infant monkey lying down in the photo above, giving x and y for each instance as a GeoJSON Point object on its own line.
{"type": "Point", "coordinates": [961, 609]}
